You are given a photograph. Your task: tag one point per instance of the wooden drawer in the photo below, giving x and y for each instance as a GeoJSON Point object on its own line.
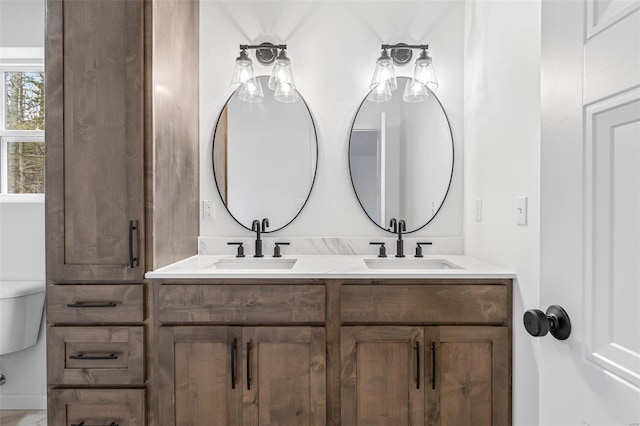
{"type": "Point", "coordinates": [97, 303]}
{"type": "Point", "coordinates": [425, 304]}
{"type": "Point", "coordinates": [241, 304]}
{"type": "Point", "coordinates": [96, 355]}
{"type": "Point", "coordinates": [123, 407]}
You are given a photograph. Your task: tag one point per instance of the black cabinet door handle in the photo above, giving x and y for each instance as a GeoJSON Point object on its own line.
{"type": "Point", "coordinates": [433, 365]}
{"type": "Point", "coordinates": [417, 365]}
{"type": "Point", "coordinates": [85, 424]}
{"type": "Point", "coordinates": [234, 360]}
{"type": "Point", "coordinates": [94, 357]}
{"type": "Point", "coordinates": [249, 365]}
{"type": "Point", "coordinates": [134, 260]}
{"type": "Point", "coordinates": [92, 305]}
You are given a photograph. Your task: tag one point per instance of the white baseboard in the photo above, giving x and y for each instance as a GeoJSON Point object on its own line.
{"type": "Point", "coordinates": [23, 402]}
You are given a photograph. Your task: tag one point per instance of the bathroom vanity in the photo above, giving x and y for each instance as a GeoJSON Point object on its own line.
{"type": "Point", "coordinates": [309, 345]}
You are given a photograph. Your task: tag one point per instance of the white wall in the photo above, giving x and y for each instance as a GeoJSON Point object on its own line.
{"type": "Point", "coordinates": [21, 23]}
{"type": "Point", "coordinates": [333, 47]}
{"type": "Point", "coordinates": [22, 257]}
{"type": "Point", "coordinates": [22, 231]}
{"type": "Point", "coordinates": [502, 161]}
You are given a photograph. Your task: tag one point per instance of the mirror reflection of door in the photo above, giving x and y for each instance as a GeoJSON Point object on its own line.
{"type": "Point", "coordinates": [264, 158]}
{"type": "Point", "coordinates": [401, 159]}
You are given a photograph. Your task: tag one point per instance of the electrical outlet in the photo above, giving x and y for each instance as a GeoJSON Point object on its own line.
{"type": "Point", "coordinates": [478, 209]}
{"type": "Point", "coordinates": [521, 210]}
{"type": "Point", "coordinates": [208, 210]}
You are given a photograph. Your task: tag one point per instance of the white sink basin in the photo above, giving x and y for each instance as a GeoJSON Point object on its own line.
{"type": "Point", "coordinates": [255, 263]}
{"type": "Point", "coordinates": [409, 263]}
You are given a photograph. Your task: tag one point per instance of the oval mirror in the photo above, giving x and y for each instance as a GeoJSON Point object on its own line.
{"type": "Point", "coordinates": [401, 158]}
{"type": "Point", "coordinates": [265, 158]}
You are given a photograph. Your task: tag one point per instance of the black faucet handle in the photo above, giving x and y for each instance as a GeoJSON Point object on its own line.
{"type": "Point", "coordinates": [382, 252]}
{"type": "Point", "coordinates": [265, 224]}
{"type": "Point", "coordinates": [276, 249]}
{"type": "Point", "coordinates": [240, 252]}
{"type": "Point", "coordinates": [419, 248]}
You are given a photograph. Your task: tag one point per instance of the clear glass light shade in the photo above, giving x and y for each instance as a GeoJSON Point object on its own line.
{"type": "Point", "coordinates": [384, 73]}
{"type": "Point", "coordinates": [285, 92]}
{"type": "Point", "coordinates": [415, 91]}
{"type": "Point", "coordinates": [380, 93]}
{"type": "Point", "coordinates": [425, 73]}
{"type": "Point", "coordinates": [242, 72]}
{"type": "Point", "coordinates": [251, 91]}
{"type": "Point", "coordinates": [281, 73]}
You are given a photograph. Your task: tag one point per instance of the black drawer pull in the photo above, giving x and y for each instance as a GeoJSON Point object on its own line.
{"type": "Point", "coordinates": [433, 365]}
{"type": "Point", "coordinates": [417, 365]}
{"type": "Point", "coordinates": [94, 357]}
{"type": "Point", "coordinates": [92, 305]}
{"type": "Point", "coordinates": [249, 365]}
{"type": "Point", "coordinates": [85, 424]}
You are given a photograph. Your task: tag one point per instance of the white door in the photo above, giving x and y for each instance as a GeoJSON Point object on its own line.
{"type": "Point", "coordinates": [590, 211]}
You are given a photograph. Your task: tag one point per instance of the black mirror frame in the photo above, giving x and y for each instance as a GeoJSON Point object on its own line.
{"type": "Point", "coordinates": [315, 172]}
{"type": "Point", "coordinates": [453, 160]}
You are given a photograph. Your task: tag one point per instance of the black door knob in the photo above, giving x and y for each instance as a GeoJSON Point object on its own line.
{"type": "Point", "coordinates": [556, 320]}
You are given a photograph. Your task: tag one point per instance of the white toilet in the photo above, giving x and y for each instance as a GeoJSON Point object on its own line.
{"type": "Point", "coordinates": [21, 307]}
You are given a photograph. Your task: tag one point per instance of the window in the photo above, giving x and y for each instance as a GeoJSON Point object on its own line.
{"type": "Point", "coordinates": [22, 145]}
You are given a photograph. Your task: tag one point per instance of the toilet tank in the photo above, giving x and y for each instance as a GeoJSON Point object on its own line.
{"type": "Point", "coordinates": [21, 307]}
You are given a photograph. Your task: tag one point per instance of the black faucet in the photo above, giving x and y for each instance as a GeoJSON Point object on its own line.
{"type": "Point", "coordinates": [257, 228]}
{"type": "Point", "coordinates": [398, 228]}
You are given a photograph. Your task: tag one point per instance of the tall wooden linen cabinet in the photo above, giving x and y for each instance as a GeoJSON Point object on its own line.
{"type": "Point", "coordinates": [121, 193]}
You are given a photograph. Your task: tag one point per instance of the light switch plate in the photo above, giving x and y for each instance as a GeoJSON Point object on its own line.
{"type": "Point", "coordinates": [479, 210]}
{"type": "Point", "coordinates": [521, 210]}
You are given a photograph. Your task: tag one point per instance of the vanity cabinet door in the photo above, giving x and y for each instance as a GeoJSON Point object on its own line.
{"type": "Point", "coordinates": [467, 377]}
{"type": "Point", "coordinates": [199, 376]}
{"type": "Point", "coordinates": [285, 376]}
{"type": "Point", "coordinates": [382, 375]}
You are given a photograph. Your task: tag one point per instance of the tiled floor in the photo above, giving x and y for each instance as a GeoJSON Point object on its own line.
{"type": "Point", "coordinates": [23, 418]}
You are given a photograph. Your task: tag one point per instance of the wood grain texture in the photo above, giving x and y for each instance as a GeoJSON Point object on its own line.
{"type": "Point", "coordinates": [424, 304]}
{"type": "Point", "coordinates": [95, 144]}
{"type": "Point", "coordinates": [124, 342]}
{"type": "Point", "coordinates": [194, 377]}
{"type": "Point", "coordinates": [127, 297]}
{"type": "Point", "coordinates": [333, 352]}
{"type": "Point", "coordinates": [288, 371]}
{"type": "Point", "coordinates": [96, 407]}
{"type": "Point", "coordinates": [242, 304]}
{"type": "Point", "coordinates": [380, 375]}
{"type": "Point", "coordinates": [220, 142]}
{"type": "Point", "coordinates": [172, 170]}
{"type": "Point", "coordinates": [472, 386]}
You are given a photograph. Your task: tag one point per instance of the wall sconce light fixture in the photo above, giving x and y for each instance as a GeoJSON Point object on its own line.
{"type": "Point", "coordinates": [384, 78]}
{"type": "Point", "coordinates": [281, 79]}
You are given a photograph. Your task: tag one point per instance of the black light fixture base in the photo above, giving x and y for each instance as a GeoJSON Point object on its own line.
{"type": "Point", "coordinates": [401, 55]}
{"type": "Point", "coordinates": [266, 55]}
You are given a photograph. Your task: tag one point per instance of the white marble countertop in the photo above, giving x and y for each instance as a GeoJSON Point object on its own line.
{"type": "Point", "coordinates": [329, 266]}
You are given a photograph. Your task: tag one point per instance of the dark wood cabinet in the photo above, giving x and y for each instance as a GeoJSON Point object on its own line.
{"type": "Point", "coordinates": [444, 376]}
{"type": "Point", "coordinates": [226, 375]}
{"type": "Point", "coordinates": [95, 139]}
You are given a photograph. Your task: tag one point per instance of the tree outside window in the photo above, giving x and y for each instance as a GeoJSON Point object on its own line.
{"type": "Point", "coordinates": [22, 148]}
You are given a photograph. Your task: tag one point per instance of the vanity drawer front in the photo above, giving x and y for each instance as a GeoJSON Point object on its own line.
{"type": "Point", "coordinates": [123, 407]}
{"type": "Point", "coordinates": [96, 355]}
{"type": "Point", "coordinates": [241, 304]}
{"type": "Point", "coordinates": [425, 304]}
{"type": "Point", "coordinates": [97, 303]}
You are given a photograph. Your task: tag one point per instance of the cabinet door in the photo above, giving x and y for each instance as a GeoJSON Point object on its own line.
{"type": "Point", "coordinates": [382, 375]}
{"type": "Point", "coordinates": [94, 120]}
{"type": "Point", "coordinates": [285, 376]}
{"type": "Point", "coordinates": [468, 379]}
{"type": "Point", "coordinates": [198, 376]}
